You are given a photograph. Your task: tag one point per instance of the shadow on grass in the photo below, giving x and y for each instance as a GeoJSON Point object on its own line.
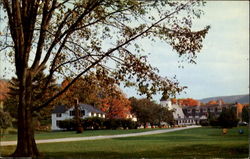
{"type": "Point", "coordinates": [212, 151]}
{"type": "Point", "coordinates": [194, 151]}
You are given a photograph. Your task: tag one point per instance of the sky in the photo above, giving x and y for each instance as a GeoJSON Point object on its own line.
{"type": "Point", "coordinates": [222, 65]}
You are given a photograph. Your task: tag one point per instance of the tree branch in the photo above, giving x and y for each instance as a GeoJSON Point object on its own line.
{"type": "Point", "coordinates": [69, 31]}
{"type": "Point", "coordinates": [47, 14]}
{"type": "Point", "coordinates": [110, 51]}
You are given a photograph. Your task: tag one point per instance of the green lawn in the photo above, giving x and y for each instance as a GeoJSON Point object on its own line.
{"type": "Point", "coordinates": [192, 143]}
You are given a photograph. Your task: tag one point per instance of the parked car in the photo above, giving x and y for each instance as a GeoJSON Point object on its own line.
{"type": "Point", "coordinates": [243, 124]}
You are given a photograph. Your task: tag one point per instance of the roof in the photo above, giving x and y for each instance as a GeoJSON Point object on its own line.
{"type": "Point", "coordinates": [60, 109]}
{"type": "Point", "coordinates": [89, 108]}
{"type": "Point", "coordinates": [208, 106]}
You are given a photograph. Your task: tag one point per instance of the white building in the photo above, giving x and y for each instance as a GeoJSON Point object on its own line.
{"type": "Point", "coordinates": [62, 113]}
{"type": "Point", "coordinates": [178, 113]}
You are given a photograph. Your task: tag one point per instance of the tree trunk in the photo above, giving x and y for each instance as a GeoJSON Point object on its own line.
{"type": "Point", "coordinates": [26, 145]}
{"type": "Point", "coordinates": [79, 128]}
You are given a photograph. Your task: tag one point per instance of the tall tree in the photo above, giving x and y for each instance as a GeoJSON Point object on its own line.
{"type": "Point", "coordinates": [117, 107]}
{"type": "Point", "coordinates": [90, 89]}
{"type": "Point", "coordinates": [245, 113]}
{"type": "Point", "coordinates": [97, 89]}
{"type": "Point", "coordinates": [11, 102]}
{"type": "Point", "coordinates": [71, 37]}
{"type": "Point", "coordinates": [148, 111]}
{"type": "Point", "coordinates": [228, 118]}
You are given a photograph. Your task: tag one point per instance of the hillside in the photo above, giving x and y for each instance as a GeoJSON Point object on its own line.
{"type": "Point", "coordinates": [243, 99]}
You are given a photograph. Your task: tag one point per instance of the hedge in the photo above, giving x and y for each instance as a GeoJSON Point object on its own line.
{"type": "Point", "coordinates": [97, 123]}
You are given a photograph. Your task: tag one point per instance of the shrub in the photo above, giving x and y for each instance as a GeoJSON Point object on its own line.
{"type": "Point", "coordinates": [228, 119]}
{"type": "Point", "coordinates": [5, 120]}
{"type": "Point", "coordinates": [93, 123]}
{"type": "Point", "coordinates": [128, 124]}
{"type": "Point", "coordinates": [214, 122]}
{"type": "Point", "coordinates": [97, 123]}
{"type": "Point", "coordinates": [204, 122]}
{"type": "Point", "coordinates": [68, 124]}
{"type": "Point", "coordinates": [112, 123]}
{"type": "Point", "coordinates": [120, 123]}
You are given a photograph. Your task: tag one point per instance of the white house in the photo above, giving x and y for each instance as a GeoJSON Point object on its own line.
{"type": "Point", "coordinates": [61, 112]}
{"type": "Point", "coordinates": [178, 114]}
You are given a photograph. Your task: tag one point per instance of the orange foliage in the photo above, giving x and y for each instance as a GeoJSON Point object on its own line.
{"type": "Point", "coordinates": [239, 107]}
{"type": "Point", "coordinates": [212, 102]}
{"type": "Point", "coordinates": [116, 107]}
{"type": "Point", "coordinates": [185, 102]}
{"type": "Point", "coordinates": [3, 89]}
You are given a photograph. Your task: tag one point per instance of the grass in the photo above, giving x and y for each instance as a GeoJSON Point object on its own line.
{"type": "Point", "coordinates": [65, 134]}
{"type": "Point", "coordinates": [191, 143]}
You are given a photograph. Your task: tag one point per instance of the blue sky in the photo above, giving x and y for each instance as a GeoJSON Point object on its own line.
{"type": "Point", "coordinates": [222, 65]}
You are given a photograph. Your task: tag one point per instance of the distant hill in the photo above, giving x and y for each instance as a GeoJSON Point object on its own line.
{"type": "Point", "coordinates": [243, 99]}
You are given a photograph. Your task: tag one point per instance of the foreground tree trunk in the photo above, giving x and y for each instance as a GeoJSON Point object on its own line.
{"type": "Point", "coordinates": [26, 145]}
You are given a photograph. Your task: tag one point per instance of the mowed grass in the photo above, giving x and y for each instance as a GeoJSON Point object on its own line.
{"type": "Point", "coordinates": [65, 134]}
{"type": "Point", "coordinates": [191, 143]}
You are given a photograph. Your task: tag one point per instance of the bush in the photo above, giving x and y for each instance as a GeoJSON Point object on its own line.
{"type": "Point", "coordinates": [228, 119]}
{"type": "Point", "coordinates": [120, 123]}
{"type": "Point", "coordinates": [129, 124]}
{"type": "Point", "coordinates": [68, 124]}
{"type": "Point", "coordinates": [112, 123]}
{"type": "Point", "coordinates": [214, 122]}
{"type": "Point", "coordinates": [95, 123]}
{"type": "Point", "coordinates": [5, 120]}
{"type": "Point", "coordinates": [98, 123]}
{"type": "Point", "coordinates": [204, 122]}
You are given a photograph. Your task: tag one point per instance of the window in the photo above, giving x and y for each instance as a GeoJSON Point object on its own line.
{"type": "Point", "coordinates": [72, 113]}
{"type": "Point", "coordinates": [219, 110]}
{"type": "Point", "coordinates": [197, 110]}
{"type": "Point", "coordinates": [82, 113]}
{"type": "Point", "coordinates": [189, 110]}
{"type": "Point", "coordinates": [58, 115]}
{"type": "Point", "coordinates": [57, 123]}
{"type": "Point", "coordinates": [204, 110]}
{"type": "Point", "coordinates": [211, 109]}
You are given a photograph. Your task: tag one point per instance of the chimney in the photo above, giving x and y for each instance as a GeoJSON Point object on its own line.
{"type": "Point", "coordinates": [169, 103]}
{"type": "Point", "coordinates": [76, 101]}
{"type": "Point", "coordinates": [220, 102]}
{"type": "Point", "coordinates": [199, 103]}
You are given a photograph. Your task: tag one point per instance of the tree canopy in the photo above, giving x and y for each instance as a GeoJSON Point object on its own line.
{"type": "Point", "coordinates": [100, 91]}
{"type": "Point", "coordinates": [63, 37]}
{"type": "Point", "coordinates": [148, 111]}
